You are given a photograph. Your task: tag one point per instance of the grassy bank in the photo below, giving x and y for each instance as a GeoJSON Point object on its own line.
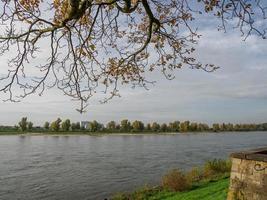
{"type": "Point", "coordinates": [209, 182]}
{"type": "Point", "coordinates": [215, 190]}
{"type": "Point", "coordinates": [206, 190]}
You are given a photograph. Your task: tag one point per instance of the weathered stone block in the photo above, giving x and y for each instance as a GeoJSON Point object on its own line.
{"type": "Point", "coordinates": [248, 179]}
{"type": "Point", "coordinates": [235, 175]}
{"type": "Point", "coordinates": [235, 168]}
{"type": "Point", "coordinates": [236, 161]}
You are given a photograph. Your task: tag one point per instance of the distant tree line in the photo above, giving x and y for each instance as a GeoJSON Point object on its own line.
{"type": "Point", "coordinates": [126, 126]}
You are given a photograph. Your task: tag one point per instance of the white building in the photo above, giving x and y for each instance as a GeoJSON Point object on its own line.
{"type": "Point", "coordinates": [84, 124]}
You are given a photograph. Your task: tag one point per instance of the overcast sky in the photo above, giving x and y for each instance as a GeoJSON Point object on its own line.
{"type": "Point", "coordinates": [237, 92]}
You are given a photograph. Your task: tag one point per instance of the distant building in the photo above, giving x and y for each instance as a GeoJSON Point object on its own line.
{"type": "Point", "coordinates": [84, 124]}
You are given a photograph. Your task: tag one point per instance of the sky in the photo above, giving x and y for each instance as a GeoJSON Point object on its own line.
{"type": "Point", "coordinates": [236, 92]}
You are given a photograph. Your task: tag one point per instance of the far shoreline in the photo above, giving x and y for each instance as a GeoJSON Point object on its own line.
{"type": "Point", "coordinates": [88, 134]}
{"type": "Point", "coordinates": [116, 134]}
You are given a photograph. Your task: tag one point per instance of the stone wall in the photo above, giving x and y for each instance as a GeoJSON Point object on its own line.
{"type": "Point", "coordinates": [248, 179]}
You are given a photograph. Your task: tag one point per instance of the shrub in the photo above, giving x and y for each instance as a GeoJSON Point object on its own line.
{"type": "Point", "coordinates": [216, 166]}
{"type": "Point", "coordinates": [194, 175]}
{"type": "Point", "coordinates": [175, 181]}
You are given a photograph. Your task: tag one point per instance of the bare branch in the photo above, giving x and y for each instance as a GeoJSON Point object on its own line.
{"type": "Point", "coordinates": [84, 47]}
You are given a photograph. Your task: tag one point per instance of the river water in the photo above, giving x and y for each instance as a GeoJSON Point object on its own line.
{"type": "Point", "coordinates": [93, 168]}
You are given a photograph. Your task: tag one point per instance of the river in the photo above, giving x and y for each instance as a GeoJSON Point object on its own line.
{"type": "Point", "coordinates": [94, 167]}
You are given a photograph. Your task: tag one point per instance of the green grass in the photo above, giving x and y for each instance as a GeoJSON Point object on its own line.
{"type": "Point", "coordinates": [10, 133]}
{"type": "Point", "coordinates": [205, 191]}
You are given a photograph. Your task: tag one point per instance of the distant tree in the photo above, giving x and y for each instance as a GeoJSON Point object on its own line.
{"type": "Point", "coordinates": [55, 126]}
{"type": "Point", "coordinates": [111, 126]}
{"type": "Point", "coordinates": [29, 126]}
{"type": "Point", "coordinates": [94, 126]}
{"type": "Point", "coordinates": [118, 127]}
{"type": "Point", "coordinates": [125, 125]}
{"type": "Point", "coordinates": [203, 127]}
{"type": "Point", "coordinates": [73, 126]}
{"type": "Point", "coordinates": [253, 127]}
{"type": "Point", "coordinates": [137, 126]}
{"type": "Point", "coordinates": [263, 127]}
{"type": "Point", "coordinates": [237, 127]}
{"type": "Point", "coordinates": [66, 125]}
{"type": "Point", "coordinates": [185, 126]}
{"type": "Point", "coordinates": [46, 125]}
{"type": "Point", "coordinates": [23, 123]}
{"type": "Point", "coordinates": [222, 127]}
{"type": "Point", "coordinates": [163, 127]}
{"type": "Point", "coordinates": [247, 127]}
{"type": "Point", "coordinates": [148, 127]}
{"type": "Point", "coordinates": [78, 125]}
{"type": "Point", "coordinates": [215, 127]}
{"type": "Point", "coordinates": [82, 128]}
{"type": "Point", "coordinates": [174, 126]}
{"type": "Point", "coordinates": [194, 127]}
{"type": "Point", "coordinates": [155, 127]}
{"type": "Point", "coordinates": [229, 127]}
{"type": "Point", "coordinates": [100, 127]}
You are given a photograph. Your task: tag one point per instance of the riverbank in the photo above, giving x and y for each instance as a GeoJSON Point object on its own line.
{"type": "Point", "coordinates": [98, 133]}
{"type": "Point", "coordinates": [85, 133]}
{"type": "Point", "coordinates": [70, 133]}
{"type": "Point", "coordinates": [211, 181]}
{"type": "Point", "coordinates": [208, 190]}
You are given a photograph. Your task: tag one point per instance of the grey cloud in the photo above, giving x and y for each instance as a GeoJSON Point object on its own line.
{"type": "Point", "coordinates": [237, 91]}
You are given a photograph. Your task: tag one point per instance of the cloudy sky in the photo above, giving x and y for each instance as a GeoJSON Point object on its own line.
{"type": "Point", "coordinates": [237, 92]}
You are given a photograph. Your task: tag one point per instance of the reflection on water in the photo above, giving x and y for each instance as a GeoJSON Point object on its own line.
{"type": "Point", "coordinates": [88, 167]}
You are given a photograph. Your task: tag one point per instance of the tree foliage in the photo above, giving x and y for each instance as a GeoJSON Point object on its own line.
{"type": "Point", "coordinates": [96, 45]}
{"type": "Point", "coordinates": [23, 123]}
{"type": "Point", "coordinates": [184, 126]}
{"type": "Point", "coordinates": [55, 125]}
{"type": "Point", "coordinates": [148, 127]}
{"type": "Point", "coordinates": [155, 127]}
{"type": "Point", "coordinates": [75, 126]}
{"type": "Point", "coordinates": [163, 127]}
{"type": "Point", "coordinates": [29, 126]}
{"type": "Point", "coordinates": [94, 126]}
{"type": "Point", "coordinates": [125, 125]}
{"type": "Point", "coordinates": [138, 126]}
{"type": "Point", "coordinates": [174, 126]}
{"type": "Point", "coordinates": [66, 125]}
{"type": "Point", "coordinates": [111, 125]}
{"type": "Point", "coordinates": [46, 125]}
